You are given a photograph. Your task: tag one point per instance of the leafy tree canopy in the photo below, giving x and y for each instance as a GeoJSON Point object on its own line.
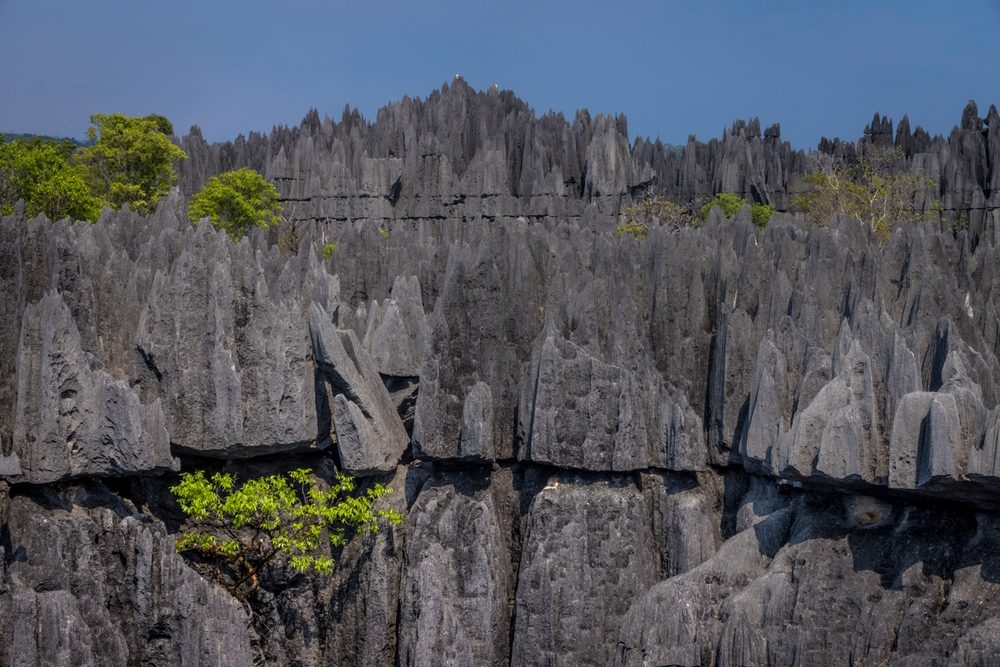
{"type": "Point", "coordinates": [131, 161]}
{"type": "Point", "coordinates": [244, 527]}
{"type": "Point", "coordinates": [761, 214]}
{"type": "Point", "coordinates": [730, 204]}
{"type": "Point", "coordinates": [237, 201]}
{"type": "Point", "coordinates": [42, 173]}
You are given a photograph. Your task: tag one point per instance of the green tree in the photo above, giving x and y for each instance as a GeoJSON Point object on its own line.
{"type": "Point", "coordinates": [41, 173]}
{"type": "Point", "coordinates": [243, 528]}
{"type": "Point", "coordinates": [237, 201]}
{"type": "Point", "coordinates": [131, 161]}
{"type": "Point", "coordinates": [876, 189]}
{"type": "Point", "coordinates": [761, 214]}
{"type": "Point", "coordinates": [729, 203]}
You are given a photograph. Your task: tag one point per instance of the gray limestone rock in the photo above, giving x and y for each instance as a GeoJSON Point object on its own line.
{"type": "Point", "coordinates": [969, 401]}
{"type": "Point", "coordinates": [71, 420]}
{"type": "Point", "coordinates": [462, 154]}
{"type": "Point", "coordinates": [370, 434]}
{"type": "Point", "coordinates": [396, 331]}
{"type": "Point", "coordinates": [835, 435]}
{"type": "Point", "coordinates": [89, 582]}
{"type": "Point", "coordinates": [588, 551]}
{"type": "Point", "coordinates": [456, 579]}
{"type": "Point", "coordinates": [477, 424]}
{"type": "Point", "coordinates": [817, 584]}
{"type": "Point", "coordinates": [686, 522]}
{"type": "Point", "coordinates": [675, 622]}
{"type": "Point", "coordinates": [623, 437]}
{"type": "Point", "coordinates": [492, 346]}
{"type": "Point", "coordinates": [578, 411]}
{"type": "Point", "coordinates": [766, 419]}
{"type": "Point", "coordinates": [926, 439]}
{"type": "Point", "coordinates": [229, 356]}
{"type": "Point", "coordinates": [984, 458]}
{"type": "Point", "coordinates": [574, 412]}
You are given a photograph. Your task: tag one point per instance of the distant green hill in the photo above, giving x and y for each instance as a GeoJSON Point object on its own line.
{"type": "Point", "coordinates": [12, 136]}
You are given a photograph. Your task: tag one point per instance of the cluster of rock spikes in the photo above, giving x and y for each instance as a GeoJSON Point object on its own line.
{"type": "Point", "coordinates": [715, 446]}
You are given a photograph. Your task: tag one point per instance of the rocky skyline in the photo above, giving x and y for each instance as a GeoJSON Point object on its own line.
{"type": "Point", "coordinates": [721, 445]}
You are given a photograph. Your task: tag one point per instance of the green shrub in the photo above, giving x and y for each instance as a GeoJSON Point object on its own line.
{"type": "Point", "coordinates": [960, 222]}
{"type": "Point", "coordinates": [328, 250]}
{"type": "Point", "coordinates": [729, 203]}
{"type": "Point", "coordinates": [244, 528]}
{"type": "Point", "coordinates": [761, 214]}
{"type": "Point", "coordinates": [237, 201]}
{"type": "Point", "coordinates": [635, 229]}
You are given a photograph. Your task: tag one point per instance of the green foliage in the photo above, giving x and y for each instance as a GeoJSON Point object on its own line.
{"type": "Point", "coordinates": [244, 527]}
{"type": "Point", "coordinates": [328, 250]}
{"type": "Point", "coordinates": [384, 233]}
{"type": "Point", "coordinates": [72, 143]}
{"type": "Point", "coordinates": [237, 201]}
{"type": "Point", "coordinates": [876, 189]}
{"type": "Point", "coordinates": [960, 222]}
{"type": "Point", "coordinates": [131, 159]}
{"type": "Point", "coordinates": [761, 214]}
{"type": "Point", "coordinates": [959, 219]}
{"type": "Point", "coordinates": [653, 210]}
{"type": "Point", "coordinates": [41, 173]}
{"type": "Point", "coordinates": [729, 203]}
{"type": "Point", "coordinates": [635, 229]}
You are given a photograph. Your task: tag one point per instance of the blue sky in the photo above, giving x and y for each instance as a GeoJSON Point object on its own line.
{"type": "Point", "coordinates": [674, 67]}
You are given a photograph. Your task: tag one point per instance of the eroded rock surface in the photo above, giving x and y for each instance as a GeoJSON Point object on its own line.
{"type": "Point", "coordinates": [369, 432]}
{"type": "Point", "coordinates": [88, 581]}
{"type": "Point", "coordinates": [588, 551]}
{"type": "Point", "coordinates": [713, 446]}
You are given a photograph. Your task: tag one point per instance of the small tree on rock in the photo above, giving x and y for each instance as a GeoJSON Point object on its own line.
{"type": "Point", "coordinates": [243, 528]}
{"type": "Point", "coordinates": [237, 201]}
{"type": "Point", "coordinates": [730, 204]}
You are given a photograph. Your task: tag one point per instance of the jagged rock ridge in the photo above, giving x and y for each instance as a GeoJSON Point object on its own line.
{"type": "Point", "coordinates": [467, 154]}
{"type": "Point", "coordinates": [719, 446]}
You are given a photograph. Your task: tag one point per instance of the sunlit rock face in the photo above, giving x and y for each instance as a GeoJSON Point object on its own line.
{"type": "Point", "coordinates": [713, 446]}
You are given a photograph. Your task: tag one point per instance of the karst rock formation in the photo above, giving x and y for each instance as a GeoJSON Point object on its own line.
{"type": "Point", "coordinates": [715, 446]}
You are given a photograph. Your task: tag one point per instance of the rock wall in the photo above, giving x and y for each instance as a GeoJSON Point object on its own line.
{"type": "Point", "coordinates": [463, 154]}
{"type": "Point", "coordinates": [715, 446]}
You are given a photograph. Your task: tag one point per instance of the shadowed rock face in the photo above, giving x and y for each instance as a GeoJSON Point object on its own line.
{"type": "Point", "coordinates": [906, 592]}
{"type": "Point", "coordinates": [91, 581]}
{"type": "Point", "coordinates": [588, 550]}
{"type": "Point", "coordinates": [716, 446]}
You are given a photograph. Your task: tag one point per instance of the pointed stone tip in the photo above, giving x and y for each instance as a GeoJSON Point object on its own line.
{"type": "Point", "coordinates": [970, 116]}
